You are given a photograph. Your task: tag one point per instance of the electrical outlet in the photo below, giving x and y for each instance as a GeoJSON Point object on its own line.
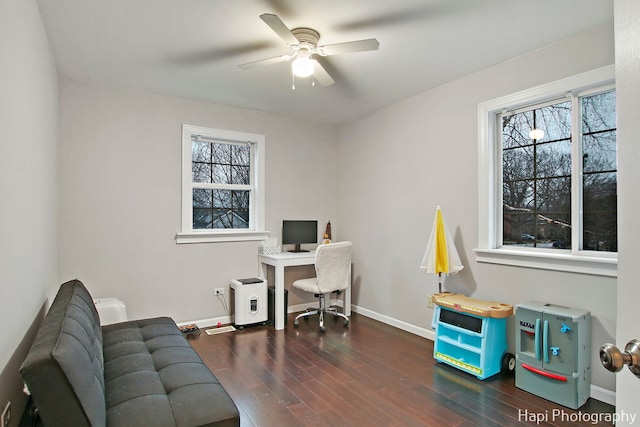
{"type": "Point", "coordinates": [430, 301]}
{"type": "Point", "coordinates": [219, 291]}
{"type": "Point", "coordinates": [6, 415]}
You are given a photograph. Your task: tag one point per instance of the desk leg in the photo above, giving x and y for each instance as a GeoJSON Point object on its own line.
{"type": "Point", "coordinates": [346, 309]}
{"type": "Point", "coordinates": [278, 276]}
{"type": "Point", "coordinates": [279, 291]}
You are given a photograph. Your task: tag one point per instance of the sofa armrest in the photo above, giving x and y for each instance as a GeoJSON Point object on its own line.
{"type": "Point", "coordinates": [64, 369]}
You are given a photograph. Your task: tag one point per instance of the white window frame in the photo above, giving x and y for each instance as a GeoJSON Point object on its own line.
{"type": "Point", "coordinates": [256, 229]}
{"type": "Point", "coordinates": [489, 183]}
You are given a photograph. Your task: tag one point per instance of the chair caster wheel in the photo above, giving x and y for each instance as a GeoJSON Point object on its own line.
{"type": "Point", "coordinates": [295, 323]}
{"type": "Point", "coordinates": [346, 324]}
{"type": "Point", "coordinates": [323, 329]}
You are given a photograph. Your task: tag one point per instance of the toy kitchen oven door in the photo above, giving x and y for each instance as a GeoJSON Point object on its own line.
{"type": "Point", "coordinates": [553, 346]}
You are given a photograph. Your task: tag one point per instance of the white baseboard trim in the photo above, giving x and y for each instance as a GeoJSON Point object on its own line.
{"type": "Point", "coordinates": [426, 333]}
{"type": "Point", "coordinates": [603, 395]}
{"type": "Point", "coordinates": [207, 323]}
{"type": "Point", "coordinates": [416, 330]}
{"type": "Point", "coordinates": [596, 392]}
{"type": "Point", "coordinates": [225, 320]}
{"type": "Point", "coordinates": [301, 307]}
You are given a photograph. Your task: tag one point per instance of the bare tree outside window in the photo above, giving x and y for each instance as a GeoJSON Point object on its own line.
{"type": "Point", "coordinates": [600, 178]}
{"type": "Point", "coordinates": [537, 175]}
{"type": "Point", "coordinates": [229, 166]}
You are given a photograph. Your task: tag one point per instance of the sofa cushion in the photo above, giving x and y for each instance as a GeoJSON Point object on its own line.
{"type": "Point", "coordinates": [154, 377]}
{"type": "Point", "coordinates": [64, 368]}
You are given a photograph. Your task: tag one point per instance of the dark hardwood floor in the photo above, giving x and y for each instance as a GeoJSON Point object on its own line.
{"type": "Point", "coordinates": [370, 374]}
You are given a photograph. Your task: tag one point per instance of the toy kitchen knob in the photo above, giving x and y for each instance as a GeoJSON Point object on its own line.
{"type": "Point", "coordinates": [614, 360]}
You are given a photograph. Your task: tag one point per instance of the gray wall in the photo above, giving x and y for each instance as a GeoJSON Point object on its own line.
{"type": "Point", "coordinates": [120, 172]}
{"type": "Point", "coordinates": [28, 161]}
{"type": "Point", "coordinates": [422, 152]}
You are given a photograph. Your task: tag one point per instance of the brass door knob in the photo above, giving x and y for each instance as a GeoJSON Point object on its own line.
{"type": "Point", "coordinates": [614, 360]}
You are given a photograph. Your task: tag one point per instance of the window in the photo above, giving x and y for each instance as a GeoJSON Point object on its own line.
{"type": "Point", "coordinates": [548, 176]}
{"type": "Point", "coordinates": [222, 186]}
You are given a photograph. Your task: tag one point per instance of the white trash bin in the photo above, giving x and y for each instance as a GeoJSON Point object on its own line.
{"type": "Point", "coordinates": [110, 310]}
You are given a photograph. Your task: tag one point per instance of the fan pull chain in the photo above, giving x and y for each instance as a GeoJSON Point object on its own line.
{"type": "Point", "coordinates": [293, 81]}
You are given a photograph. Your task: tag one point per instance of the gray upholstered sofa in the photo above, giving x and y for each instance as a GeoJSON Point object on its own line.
{"type": "Point", "coordinates": [136, 373]}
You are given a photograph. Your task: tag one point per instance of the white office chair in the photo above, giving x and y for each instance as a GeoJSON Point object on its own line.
{"type": "Point", "coordinates": [333, 267]}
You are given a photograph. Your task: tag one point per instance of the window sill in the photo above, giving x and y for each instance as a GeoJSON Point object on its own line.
{"type": "Point", "coordinates": [221, 236]}
{"type": "Point", "coordinates": [585, 264]}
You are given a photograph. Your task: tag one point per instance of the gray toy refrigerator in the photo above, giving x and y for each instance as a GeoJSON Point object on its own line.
{"type": "Point", "coordinates": [553, 352]}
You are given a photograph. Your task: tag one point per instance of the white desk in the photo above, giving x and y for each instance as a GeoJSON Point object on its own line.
{"type": "Point", "coordinates": [288, 259]}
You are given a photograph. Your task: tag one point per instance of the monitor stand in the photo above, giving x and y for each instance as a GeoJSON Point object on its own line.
{"type": "Point", "coordinates": [297, 249]}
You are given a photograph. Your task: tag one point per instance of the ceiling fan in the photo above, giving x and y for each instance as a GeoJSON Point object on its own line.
{"type": "Point", "coordinates": [303, 43]}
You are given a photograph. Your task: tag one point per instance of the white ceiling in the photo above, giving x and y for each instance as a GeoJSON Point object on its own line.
{"type": "Point", "coordinates": [191, 48]}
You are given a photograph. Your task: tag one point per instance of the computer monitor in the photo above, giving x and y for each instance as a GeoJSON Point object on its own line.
{"type": "Point", "coordinates": [297, 232]}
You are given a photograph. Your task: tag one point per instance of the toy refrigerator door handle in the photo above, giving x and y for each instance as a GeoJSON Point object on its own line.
{"type": "Point", "coordinates": [537, 339]}
{"type": "Point", "coordinates": [545, 341]}
{"type": "Point", "coordinates": [544, 373]}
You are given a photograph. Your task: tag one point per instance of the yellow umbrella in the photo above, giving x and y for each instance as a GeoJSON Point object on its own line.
{"type": "Point", "coordinates": [441, 255]}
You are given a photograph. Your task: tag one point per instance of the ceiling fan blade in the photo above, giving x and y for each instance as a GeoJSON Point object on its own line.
{"type": "Point", "coordinates": [262, 62]}
{"type": "Point", "coordinates": [274, 22]}
{"type": "Point", "coordinates": [321, 75]}
{"type": "Point", "coordinates": [280, 6]}
{"type": "Point", "coordinates": [348, 47]}
{"type": "Point", "coordinates": [207, 56]}
{"type": "Point", "coordinates": [405, 16]}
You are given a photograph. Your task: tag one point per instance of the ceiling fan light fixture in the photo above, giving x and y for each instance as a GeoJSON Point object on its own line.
{"type": "Point", "coordinates": [303, 44]}
{"type": "Point", "coordinates": [302, 66]}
